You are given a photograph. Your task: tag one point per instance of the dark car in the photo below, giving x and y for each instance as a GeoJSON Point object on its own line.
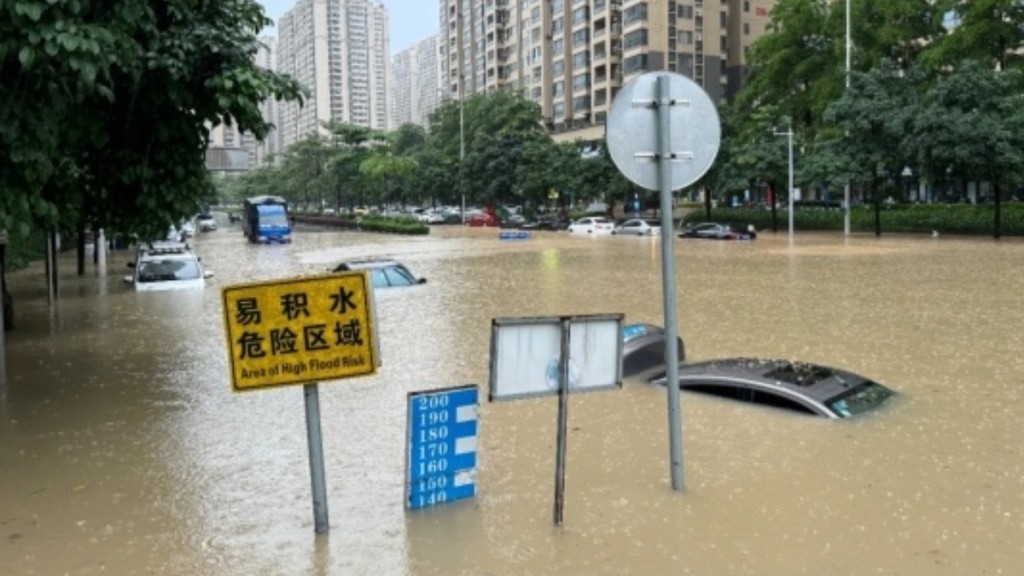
{"type": "Point", "coordinates": [643, 350]}
{"type": "Point", "coordinates": [715, 231]}
{"type": "Point", "coordinates": [552, 223]}
{"type": "Point", "coordinates": [811, 388]}
{"type": "Point", "coordinates": [383, 273]}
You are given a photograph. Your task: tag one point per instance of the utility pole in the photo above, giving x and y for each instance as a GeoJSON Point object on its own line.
{"type": "Point", "coordinates": [462, 142]}
{"type": "Point", "coordinates": [846, 188]}
{"type": "Point", "coordinates": [789, 134]}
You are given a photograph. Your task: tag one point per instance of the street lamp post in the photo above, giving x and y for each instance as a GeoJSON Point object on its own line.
{"type": "Point", "coordinates": [789, 135]}
{"type": "Point", "coordinates": [846, 187]}
{"type": "Point", "coordinates": [462, 145]}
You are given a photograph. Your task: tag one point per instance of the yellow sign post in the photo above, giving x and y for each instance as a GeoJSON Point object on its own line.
{"type": "Point", "coordinates": [299, 331]}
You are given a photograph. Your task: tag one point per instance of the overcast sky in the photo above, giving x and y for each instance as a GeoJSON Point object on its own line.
{"type": "Point", "coordinates": [409, 20]}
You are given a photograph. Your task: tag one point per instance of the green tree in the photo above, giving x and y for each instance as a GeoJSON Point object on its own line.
{"type": "Point", "coordinates": [387, 171]}
{"type": "Point", "coordinates": [990, 31]}
{"type": "Point", "coordinates": [106, 108]}
{"type": "Point", "coordinates": [793, 67]}
{"type": "Point", "coordinates": [874, 116]}
{"type": "Point", "coordinates": [971, 125]}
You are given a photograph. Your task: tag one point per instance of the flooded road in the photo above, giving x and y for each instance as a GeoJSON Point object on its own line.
{"type": "Point", "coordinates": [124, 451]}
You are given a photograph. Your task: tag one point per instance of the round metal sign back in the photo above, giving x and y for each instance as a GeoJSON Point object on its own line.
{"type": "Point", "coordinates": [632, 133]}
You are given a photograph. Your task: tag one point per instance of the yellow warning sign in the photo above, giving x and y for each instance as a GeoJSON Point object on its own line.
{"type": "Point", "coordinates": [300, 331]}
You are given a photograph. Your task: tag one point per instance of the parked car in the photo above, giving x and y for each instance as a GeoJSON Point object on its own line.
{"type": "Point", "coordinates": [166, 266]}
{"type": "Point", "coordinates": [639, 227]}
{"type": "Point", "coordinates": [592, 225]}
{"type": "Point", "coordinates": [384, 273]}
{"type": "Point", "coordinates": [478, 219]}
{"type": "Point", "coordinates": [206, 222]}
{"type": "Point", "coordinates": [187, 229]}
{"type": "Point", "coordinates": [801, 386]}
{"type": "Point", "coordinates": [552, 223]}
{"type": "Point", "coordinates": [643, 350]}
{"type": "Point", "coordinates": [715, 231]}
{"type": "Point", "coordinates": [513, 221]}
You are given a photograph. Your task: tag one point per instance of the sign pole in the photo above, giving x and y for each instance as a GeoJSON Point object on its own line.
{"type": "Point", "coordinates": [650, 154]}
{"type": "Point", "coordinates": [316, 458]}
{"type": "Point", "coordinates": [668, 276]}
{"type": "Point", "coordinates": [563, 417]}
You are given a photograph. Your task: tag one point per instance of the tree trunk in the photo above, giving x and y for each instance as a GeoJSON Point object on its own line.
{"type": "Point", "coordinates": [997, 224]}
{"type": "Point", "coordinates": [80, 250]}
{"type": "Point", "coordinates": [876, 194]}
{"type": "Point", "coordinates": [707, 204]}
{"type": "Point", "coordinates": [773, 200]}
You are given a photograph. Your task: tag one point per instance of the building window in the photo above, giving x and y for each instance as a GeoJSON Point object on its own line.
{"type": "Point", "coordinates": [635, 38]}
{"type": "Point", "coordinates": [558, 68]}
{"type": "Point", "coordinates": [636, 13]}
{"type": "Point", "coordinates": [581, 37]}
{"type": "Point", "coordinates": [580, 15]}
{"type": "Point", "coordinates": [580, 82]}
{"type": "Point", "coordinates": [635, 63]}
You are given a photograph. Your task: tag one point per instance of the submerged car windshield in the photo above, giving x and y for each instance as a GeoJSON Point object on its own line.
{"type": "Point", "coordinates": [861, 398]}
{"type": "Point", "coordinates": [169, 269]}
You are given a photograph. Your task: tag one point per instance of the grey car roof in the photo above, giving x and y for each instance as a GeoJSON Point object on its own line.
{"type": "Point", "coordinates": [813, 382]}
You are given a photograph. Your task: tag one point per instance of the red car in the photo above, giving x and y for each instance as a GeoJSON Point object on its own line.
{"type": "Point", "coordinates": [482, 219]}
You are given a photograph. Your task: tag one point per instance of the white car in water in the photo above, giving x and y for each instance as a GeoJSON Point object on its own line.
{"type": "Point", "coordinates": [639, 227]}
{"type": "Point", "coordinates": [206, 222]}
{"type": "Point", "coordinates": [166, 266]}
{"type": "Point", "coordinates": [592, 225]}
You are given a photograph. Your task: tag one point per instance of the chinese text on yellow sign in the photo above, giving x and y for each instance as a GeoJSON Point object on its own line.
{"type": "Point", "coordinates": [300, 331]}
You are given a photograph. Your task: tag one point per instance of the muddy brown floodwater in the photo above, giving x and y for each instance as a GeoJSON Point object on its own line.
{"type": "Point", "coordinates": [124, 451]}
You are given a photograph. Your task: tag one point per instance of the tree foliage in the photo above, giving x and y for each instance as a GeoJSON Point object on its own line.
{"type": "Point", "coordinates": [105, 108]}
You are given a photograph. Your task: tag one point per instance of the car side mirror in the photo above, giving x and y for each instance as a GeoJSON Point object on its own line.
{"type": "Point", "coordinates": [207, 274]}
{"type": "Point", "coordinates": [421, 281]}
{"type": "Point", "coordinates": [131, 264]}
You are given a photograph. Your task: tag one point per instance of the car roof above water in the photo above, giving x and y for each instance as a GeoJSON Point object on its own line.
{"type": "Point", "coordinates": [366, 264]}
{"type": "Point", "coordinates": [811, 380]}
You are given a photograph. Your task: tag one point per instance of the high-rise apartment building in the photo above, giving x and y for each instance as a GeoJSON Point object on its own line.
{"type": "Point", "coordinates": [338, 49]}
{"type": "Point", "coordinates": [572, 56]}
{"type": "Point", "coordinates": [416, 83]}
{"type": "Point", "coordinates": [270, 148]}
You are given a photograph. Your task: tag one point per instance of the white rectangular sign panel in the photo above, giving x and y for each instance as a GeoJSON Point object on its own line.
{"type": "Point", "coordinates": [525, 354]}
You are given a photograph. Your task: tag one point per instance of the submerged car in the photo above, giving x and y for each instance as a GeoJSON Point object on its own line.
{"type": "Point", "coordinates": [592, 225]}
{"type": "Point", "coordinates": [481, 219]}
{"type": "Point", "coordinates": [552, 223]}
{"type": "Point", "coordinates": [383, 273]}
{"type": "Point", "coordinates": [643, 350]}
{"type": "Point", "coordinates": [715, 231]}
{"type": "Point", "coordinates": [206, 222]}
{"type": "Point", "coordinates": [166, 266]}
{"type": "Point", "coordinates": [805, 387]}
{"type": "Point", "coordinates": [639, 227]}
